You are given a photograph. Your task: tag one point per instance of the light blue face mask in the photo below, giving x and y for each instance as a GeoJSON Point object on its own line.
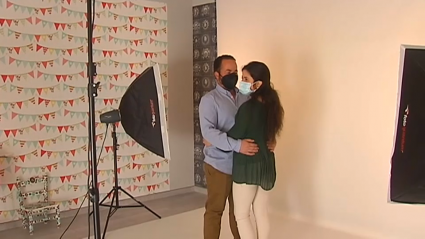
{"type": "Point", "coordinates": [245, 88]}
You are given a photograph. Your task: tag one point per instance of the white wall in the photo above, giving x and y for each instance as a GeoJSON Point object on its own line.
{"type": "Point", "coordinates": [180, 92]}
{"type": "Point", "coordinates": [335, 64]}
{"type": "Point", "coordinates": [201, 2]}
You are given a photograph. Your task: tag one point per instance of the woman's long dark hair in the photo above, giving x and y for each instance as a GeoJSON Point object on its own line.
{"type": "Point", "coordinates": [269, 96]}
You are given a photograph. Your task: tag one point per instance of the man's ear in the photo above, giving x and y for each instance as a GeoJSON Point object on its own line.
{"type": "Point", "coordinates": [216, 75]}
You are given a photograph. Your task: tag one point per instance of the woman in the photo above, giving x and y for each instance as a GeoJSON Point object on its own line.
{"type": "Point", "coordinates": [260, 119]}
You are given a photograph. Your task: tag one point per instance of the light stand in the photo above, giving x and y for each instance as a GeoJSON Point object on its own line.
{"type": "Point", "coordinates": [115, 203]}
{"type": "Point", "coordinates": [92, 93]}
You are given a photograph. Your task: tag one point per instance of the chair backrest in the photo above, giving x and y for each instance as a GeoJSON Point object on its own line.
{"type": "Point", "coordinates": [40, 194]}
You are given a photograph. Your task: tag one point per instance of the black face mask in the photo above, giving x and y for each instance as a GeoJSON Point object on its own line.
{"type": "Point", "coordinates": [229, 81]}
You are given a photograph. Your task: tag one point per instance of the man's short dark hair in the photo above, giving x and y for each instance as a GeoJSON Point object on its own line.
{"type": "Point", "coordinates": [219, 60]}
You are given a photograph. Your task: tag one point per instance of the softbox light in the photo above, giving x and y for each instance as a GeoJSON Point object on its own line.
{"type": "Point", "coordinates": [142, 111]}
{"type": "Point", "coordinates": [407, 183]}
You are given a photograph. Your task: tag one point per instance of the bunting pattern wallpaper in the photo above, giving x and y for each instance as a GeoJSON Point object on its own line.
{"type": "Point", "coordinates": [204, 54]}
{"type": "Point", "coordinates": [43, 95]}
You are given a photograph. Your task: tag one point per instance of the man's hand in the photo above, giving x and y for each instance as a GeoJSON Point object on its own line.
{"type": "Point", "coordinates": [206, 143]}
{"type": "Point", "coordinates": [271, 145]}
{"type": "Point", "coordinates": [248, 147]}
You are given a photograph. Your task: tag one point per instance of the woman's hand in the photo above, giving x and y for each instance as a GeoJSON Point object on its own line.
{"type": "Point", "coordinates": [206, 143]}
{"type": "Point", "coordinates": [271, 145]}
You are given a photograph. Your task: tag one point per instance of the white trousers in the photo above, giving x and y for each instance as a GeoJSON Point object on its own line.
{"type": "Point", "coordinates": [246, 197]}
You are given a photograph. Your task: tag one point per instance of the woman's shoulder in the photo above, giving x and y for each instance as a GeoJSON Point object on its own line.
{"type": "Point", "coordinates": [249, 109]}
{"type": "Point", "coordinates": [249, 104]}
{"type": "Point", "coordinates": [245, 106]}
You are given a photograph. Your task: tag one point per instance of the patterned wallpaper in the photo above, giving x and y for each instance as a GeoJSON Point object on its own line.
{"type": "Point", "coordinates": [204, 53]}
{"type": "Point", "coordinates": [43, 95]}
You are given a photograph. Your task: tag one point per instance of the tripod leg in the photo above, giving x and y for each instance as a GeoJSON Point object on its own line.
{"type": "Point", "coordinates": [101, 202]}
{"type": "Point", "coordinates": [154, 213]}
{"type": "Point", "coordinates": [107, 195]}
{"type": "Point", "coordinates": [131, 196]}
{"type": "Point", "coordinates": [141, 204]}
{"type": "Point", "coordinates": [109, 214]}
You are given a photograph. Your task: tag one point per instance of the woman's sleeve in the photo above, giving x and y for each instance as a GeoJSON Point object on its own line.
{"type": "Point", "coordinates": [241, 123]}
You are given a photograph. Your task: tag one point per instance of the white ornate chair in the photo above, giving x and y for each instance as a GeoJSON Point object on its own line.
{"type": "Point", "coordinates": [32, 213]}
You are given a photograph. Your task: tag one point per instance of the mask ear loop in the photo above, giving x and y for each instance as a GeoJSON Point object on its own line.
{"type": "Point", "coordinates": [256, 85]}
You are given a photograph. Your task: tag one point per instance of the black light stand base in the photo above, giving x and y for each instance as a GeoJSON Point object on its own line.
{"type": "Point", "coordinates": [113, 208]}
{"type": "Point", "coordinates": [115, 203]}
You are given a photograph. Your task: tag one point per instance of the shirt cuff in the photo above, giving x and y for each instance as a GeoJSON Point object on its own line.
{"type": "Point", "coordinates": [238, 145]}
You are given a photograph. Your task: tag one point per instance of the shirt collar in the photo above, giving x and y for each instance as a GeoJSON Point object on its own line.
{"type": "Point", "coordinates": [224, 91]}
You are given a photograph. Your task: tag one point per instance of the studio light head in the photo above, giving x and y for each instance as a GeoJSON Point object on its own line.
{"type": "Point", "coordinates": [110, 117]}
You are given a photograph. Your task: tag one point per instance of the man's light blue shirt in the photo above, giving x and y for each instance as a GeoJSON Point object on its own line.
{"type": "Point", "coordinates": [217, 111]}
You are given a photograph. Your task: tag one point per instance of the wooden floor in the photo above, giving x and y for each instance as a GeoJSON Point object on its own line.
{"type": "Point", "coordinates": [125, 217]}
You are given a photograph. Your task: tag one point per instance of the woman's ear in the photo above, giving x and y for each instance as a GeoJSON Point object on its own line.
{"type": "Point", "coordinates": [256, 85]}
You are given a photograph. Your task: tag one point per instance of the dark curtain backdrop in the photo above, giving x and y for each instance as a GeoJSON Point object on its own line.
{"type": "Point", "coordinates": [204, 53]}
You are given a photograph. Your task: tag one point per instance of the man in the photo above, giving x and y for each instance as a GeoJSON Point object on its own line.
{"type": "Point", "coordinates": [217, 112]}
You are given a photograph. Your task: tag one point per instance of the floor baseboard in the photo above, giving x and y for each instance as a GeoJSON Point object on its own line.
{"type": "Point", "coordinates": [200, 190]}
{"type": "Point", "coordinates": [71, 213]}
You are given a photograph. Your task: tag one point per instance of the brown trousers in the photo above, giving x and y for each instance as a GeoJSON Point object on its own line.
{"type": "Point", "coordinates": [219, 189]}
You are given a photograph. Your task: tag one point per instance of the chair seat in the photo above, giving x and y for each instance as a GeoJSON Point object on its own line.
{"type": "Point", "coordinates": [40, 206]}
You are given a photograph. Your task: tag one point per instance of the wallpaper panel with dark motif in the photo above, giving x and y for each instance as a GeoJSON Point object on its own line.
{"type": "Point", "coordinates": [204, 53]}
